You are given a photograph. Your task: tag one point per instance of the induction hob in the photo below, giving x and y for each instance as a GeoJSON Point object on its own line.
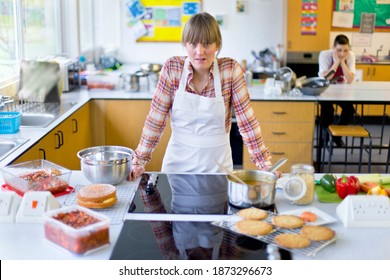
{"type": "Point", "coordinates": [185, 195]}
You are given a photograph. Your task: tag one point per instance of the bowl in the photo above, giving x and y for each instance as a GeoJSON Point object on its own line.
{"type": "Point", "coordinates": [313, 90]}
{"type": "Point", "coordinates": [106, 164]}
{"type": "Point", "coordinates": [259, 191]}
{"type": "Point", "coordinates": [36, 175]}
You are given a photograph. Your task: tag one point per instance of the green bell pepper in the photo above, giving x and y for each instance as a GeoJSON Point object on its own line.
{"type": "Point", "coordinates": [328, 182]}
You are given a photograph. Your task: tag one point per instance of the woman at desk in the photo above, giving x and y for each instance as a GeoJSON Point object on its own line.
{"type": "Point", "coordinates": [341, 61]}
{"type": "Point", "coordinates": [199, 92]}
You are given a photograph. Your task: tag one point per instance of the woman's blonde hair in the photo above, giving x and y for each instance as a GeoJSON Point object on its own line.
{"type": "Point", "coordinates": [202, 28]}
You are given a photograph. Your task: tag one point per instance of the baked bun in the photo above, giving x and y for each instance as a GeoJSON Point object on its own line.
{"type": "Point", "coordinates": [97, 196]}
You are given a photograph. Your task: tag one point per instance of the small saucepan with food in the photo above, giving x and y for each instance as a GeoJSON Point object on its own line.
{"type": "Point", "coordinates": [253, 188]}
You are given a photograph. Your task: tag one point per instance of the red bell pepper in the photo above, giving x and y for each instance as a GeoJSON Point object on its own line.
{"type": "Point", "coordinates": [346, 185]}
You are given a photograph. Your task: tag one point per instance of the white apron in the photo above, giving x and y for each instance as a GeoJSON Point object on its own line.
{"type": "Point", "coordinates": [198, 130]}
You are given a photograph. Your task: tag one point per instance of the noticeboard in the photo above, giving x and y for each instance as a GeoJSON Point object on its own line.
{"type": "Point", "coordinates": [164, 19]}
{"type": "Point", "coordinates": [381, 9]}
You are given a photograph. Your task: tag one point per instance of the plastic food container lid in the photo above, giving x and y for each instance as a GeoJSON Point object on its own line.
{"type": "Point", "coordinates": [295, 188]}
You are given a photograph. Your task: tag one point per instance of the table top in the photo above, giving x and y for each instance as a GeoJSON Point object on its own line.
{"type": "Point", "coordinates": [364, 92]}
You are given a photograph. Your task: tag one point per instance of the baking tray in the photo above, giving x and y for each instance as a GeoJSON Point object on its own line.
{"type": "Point", "coordinates": [230, 222]}
{"type": "Point", "coordinates": [125, 195]}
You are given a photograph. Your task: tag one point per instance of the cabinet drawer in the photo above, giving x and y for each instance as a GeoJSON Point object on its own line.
{"type": "Point", "coordinates": [295, 153]}
{"type": "Point", "coordinates": [284, 132]}
{"type": "Point", "coordinates": [284, 111]}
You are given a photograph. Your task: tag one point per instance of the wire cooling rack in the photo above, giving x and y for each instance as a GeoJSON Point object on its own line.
{"type": "Point", "coordinates": [309, 251]}
{"type": "Point", "coordinates": [125, 194]}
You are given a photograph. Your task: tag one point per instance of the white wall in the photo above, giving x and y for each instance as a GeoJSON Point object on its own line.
{"type": "Point", "coordinates": [262, 26]}
{"type": "Point", "coordinates": [377, 40]}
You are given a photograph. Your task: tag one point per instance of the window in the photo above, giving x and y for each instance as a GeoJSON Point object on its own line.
{"type": "Point", "coordinates": [41, 33]}
{"type": "Point", "coordinates": [8, 42]}
{"type": "Point", "coordinates": [29, 29]}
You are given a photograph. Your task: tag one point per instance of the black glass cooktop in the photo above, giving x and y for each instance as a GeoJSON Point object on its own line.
{"type": "Point", "coordinates": [184, 194]}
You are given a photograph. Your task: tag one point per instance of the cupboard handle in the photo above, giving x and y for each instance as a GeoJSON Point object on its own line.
{"type": "Point", "coordinates": [373, 71]}
{"type": "Point", "coordinates": [368, 72]}
{"type": "Point", "coordinates": [278, 153]}
{"type": "Point", "coordinates": [43, 152]}
{"type": "Point", "coordinates": [279, 113]}
{"type": "Point", "coordinates": [75, 126]}
{"type": "Point", "coordinates": [58, 142]}
{"type": "Point", "coordinates": [278, 133]}
{"type": "Point", "coordinates": [61, 142]}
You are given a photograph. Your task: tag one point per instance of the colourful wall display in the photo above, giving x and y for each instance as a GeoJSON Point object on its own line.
{"type": "Point", "coordinates": [309, 17]}
{"type": "Point", "coordinates": [357, 7]}
{"type": "Point", "coordinates": [164, 19]}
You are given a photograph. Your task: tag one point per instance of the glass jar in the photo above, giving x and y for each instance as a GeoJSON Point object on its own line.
{"type": "Point", "coordinates": [304, 172]}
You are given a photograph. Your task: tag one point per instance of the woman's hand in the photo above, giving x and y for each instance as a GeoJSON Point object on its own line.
{"type": "Point", "coordinates": [136, 171]}
{"type": "Point", "coordinates": [278, 173]}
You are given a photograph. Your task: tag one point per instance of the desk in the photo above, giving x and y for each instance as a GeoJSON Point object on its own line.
{"type": "Point", "coordinates": [357, 93]}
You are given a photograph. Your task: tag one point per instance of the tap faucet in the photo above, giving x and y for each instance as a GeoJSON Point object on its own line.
{"type": "Point", "coordinates": [377, 52]}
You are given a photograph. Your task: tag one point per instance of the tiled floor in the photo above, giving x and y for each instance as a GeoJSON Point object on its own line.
{"type": "Point", "coordinates": [376, 157]}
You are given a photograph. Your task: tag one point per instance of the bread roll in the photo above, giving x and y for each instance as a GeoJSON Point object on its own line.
{"type": "Point", "coordinates": [97, 196]}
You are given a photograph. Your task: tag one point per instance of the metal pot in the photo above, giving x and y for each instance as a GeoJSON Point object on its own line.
{"type": "Point", "coordinates": [129, 82]}
{"type": "Point", "coordinates": [316, 85]}
{"type": "Point", "coordinates": [106, 164]}
{"type": "Point", "coordinates": [260, 195]}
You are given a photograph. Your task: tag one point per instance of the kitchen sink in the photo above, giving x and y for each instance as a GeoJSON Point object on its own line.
{"type": "Point", "coordinates": [36, 119]}
{"type": "Point", "coordinates": [7, 146]}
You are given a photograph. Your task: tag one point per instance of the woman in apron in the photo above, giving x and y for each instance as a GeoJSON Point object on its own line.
{"type": "Point", "coordinates": [199, 92]}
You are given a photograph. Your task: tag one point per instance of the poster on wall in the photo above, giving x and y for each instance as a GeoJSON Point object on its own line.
{"type": "Point", "coordinates": [134, 11]}
{"type": "Point", "coordinates": [346, 5]}
{"type": "Point", "coordinates": [164, 19]}
{"type": "Point", "coordinates": [309, 17]}
{"type": "Point", "coordinates": [367, 23]}
{"type": "Point", "coordinates": [381, 9]}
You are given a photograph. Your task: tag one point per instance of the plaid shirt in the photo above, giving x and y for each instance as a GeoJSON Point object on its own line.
{"type": "Point", "coordinates": [235, 94]}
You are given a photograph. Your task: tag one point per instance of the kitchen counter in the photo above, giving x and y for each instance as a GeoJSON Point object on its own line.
{"type": "Point", "coordinates": [80, 97]}
{"type": "Point", "coordinates": [26, 241]}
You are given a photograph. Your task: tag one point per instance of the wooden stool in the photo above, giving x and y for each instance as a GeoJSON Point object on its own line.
{"type": "Point", "coordinates": [347, 131]}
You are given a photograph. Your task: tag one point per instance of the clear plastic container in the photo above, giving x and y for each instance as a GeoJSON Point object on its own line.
{"type": "Point", "coordinates": [77, 236]}
{"type": "Point", "coordinates": [302, 179]}
{"type": "Point", "coordinates": [36, 175]}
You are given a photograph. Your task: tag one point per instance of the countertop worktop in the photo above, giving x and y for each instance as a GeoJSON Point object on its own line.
{"type": "Point", "coordinates": [26, 241]}
{"type": "Point", "coordinates": [81, 96]}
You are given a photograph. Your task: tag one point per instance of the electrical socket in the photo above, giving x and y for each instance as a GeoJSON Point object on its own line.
{"type": "Point", "coordinates": [365, 211]}
{"type": "Point", "coordinates": [9, 205]}
{"type": "Point", "coordinates": [371, 209]}
{"type": "Point", "coordinates": [34, 205]}
{"type": "Point", "coordinates": [5, 205]}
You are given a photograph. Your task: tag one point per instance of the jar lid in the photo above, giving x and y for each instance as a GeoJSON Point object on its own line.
{"type": "Point", "coordinates": [302, 168]}
{"type": "Point", "coordinates": [295, 188]}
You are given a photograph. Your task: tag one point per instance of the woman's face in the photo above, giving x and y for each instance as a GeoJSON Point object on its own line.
{"type": "Point", "coordinates": [201, 55]}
